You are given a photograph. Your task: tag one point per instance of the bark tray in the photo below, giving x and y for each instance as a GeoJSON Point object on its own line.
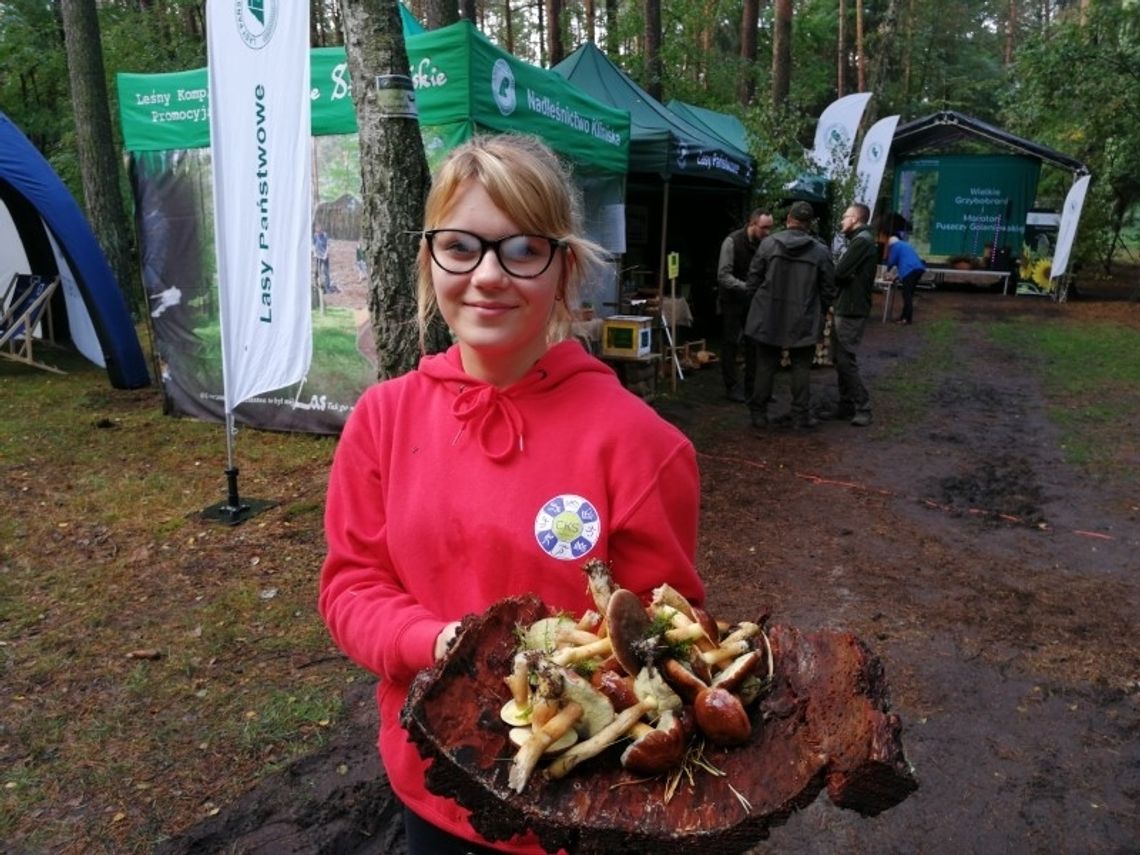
{"type": "Point", "coordinates": [824, 725]}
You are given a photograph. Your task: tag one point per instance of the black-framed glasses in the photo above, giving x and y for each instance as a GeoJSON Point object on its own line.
{"type": "Point", "coordinates": [523, 256]}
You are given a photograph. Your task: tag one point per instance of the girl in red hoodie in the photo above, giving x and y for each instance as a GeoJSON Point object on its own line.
{"type": "Point", "coordinates": [498, 467]}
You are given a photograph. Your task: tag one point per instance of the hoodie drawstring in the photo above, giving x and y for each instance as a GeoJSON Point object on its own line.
{"type": "Point", "coordinates": [485, 407]}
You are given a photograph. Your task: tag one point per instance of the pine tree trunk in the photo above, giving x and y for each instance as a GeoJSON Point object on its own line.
{"type": "Point", "coordinates": [782, 53]}
{"type": "Point", "coordinates": [841, 52]}
{"type": "Point", "coordinates": [437, 13]}
{"type": "Point", "coordinates": [554, 31]}
{"type": "Point", "coordinates": [98, 160]}
{"type": "Point", "coordinates": [591, 22]}
{"type": "Point", "coordinates": [1010, 31]}
{"type": "Point", "coordinates": [749, 21]}
{"type": "Point", "coordinates": [653, 48]}
{"type": "Point", "coordinates": [611, 28]}
{"type": "Point", "coordinates": [860, 51]}
{"type": "Point", "coordinates": [394, 183]}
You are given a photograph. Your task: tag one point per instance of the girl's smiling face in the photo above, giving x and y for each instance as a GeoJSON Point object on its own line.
{"type": "Point", "coordinates": [499, 320]}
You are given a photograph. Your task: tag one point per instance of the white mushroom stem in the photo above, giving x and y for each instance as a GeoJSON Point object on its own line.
{"type": "Point", "coordinates": [601, 647]}
{"type": "Point", "coordinates": [685, 629]}
{"type": "Point", "coordinates": [529, 754]}
{"type": "Point", "coordinates": [519, 680]}
{"type": "Point", "coordinates": [690, 632]}
{"type": "Point", "coordinates": [590, 621]}
{"type": "Point", "coordinates": [744, 630]}
{"type": "Point", "coordinates": [726, 652]}
{"type": "Point", "coordinates": [601, 740]}
{"type": "Point", "coordinates": [542, 711]}
{"type": "Point", "coordinates": [574, 637]}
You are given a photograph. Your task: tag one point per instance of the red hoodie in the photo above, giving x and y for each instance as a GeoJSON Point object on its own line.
{"type": "Point", "coordinates": [447, 495]}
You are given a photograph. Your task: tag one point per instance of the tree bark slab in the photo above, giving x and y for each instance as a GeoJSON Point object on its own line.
{"type": "Point", "coordinates": [824, 725]}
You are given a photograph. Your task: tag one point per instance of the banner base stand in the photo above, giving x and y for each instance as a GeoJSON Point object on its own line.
{"type": "Point", "coordinates": [235, 510]}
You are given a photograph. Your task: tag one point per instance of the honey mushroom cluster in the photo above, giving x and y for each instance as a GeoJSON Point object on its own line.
{"type": "Point", "coordinates": [659, 675]}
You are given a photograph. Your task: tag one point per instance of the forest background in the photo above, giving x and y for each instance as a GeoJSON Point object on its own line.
{"type": "Point", "coordinates": [1064, 74]}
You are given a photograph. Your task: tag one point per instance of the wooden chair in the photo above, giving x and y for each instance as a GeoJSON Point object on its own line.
{"type": "Point", "coordinates": [27, 304]}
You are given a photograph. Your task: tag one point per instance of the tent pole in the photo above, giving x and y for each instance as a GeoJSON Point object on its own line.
{"type": "Point", "coordinates": [664, 233]}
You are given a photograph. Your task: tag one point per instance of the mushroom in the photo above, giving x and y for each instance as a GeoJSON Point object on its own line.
{"type": "Point", "coordinates": [597, 711]}
{"type": "Point", "coordinates": [650, 684]}
{"type": "Point", "coordinates": [527, 757]}
{"type": "Point", "coordinates": [599, 582]}
{"type": "Point", "coordinates": [727, 650]}
{"type": "Point", "coordinates": [720, 714]}
{"type": "Point", "coordinates": [617, 687]}
{"type": "Point", "coordinates": [599, 648]}
{"type": "Point", "coordinates": [601, 740]}
{"type": "Point", "coordinates": [519, 680]}
{"type": "Point", "coordinates": [520, 735]}
{"type": "Point", "coordinates": [687, 684]}
{"type": "Point", "coordinates": [657, 749]}
{"type": "Point", "coordinates": [547, 633]}
{"type": "Point", "coordinates": [740, 669]}
{"type": "Point", "coordinates": [721, 717]}
{"type": "Point", "coordinates": [628, 626]}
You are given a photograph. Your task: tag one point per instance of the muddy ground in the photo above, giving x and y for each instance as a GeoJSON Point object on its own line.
{"type": "Point", "coordinates": [999, 585]}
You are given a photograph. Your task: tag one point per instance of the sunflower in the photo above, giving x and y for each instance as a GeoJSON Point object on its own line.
{"type": "Point", "coordinates": [1042, 272]}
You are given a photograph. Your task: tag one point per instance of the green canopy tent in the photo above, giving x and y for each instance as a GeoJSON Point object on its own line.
{"type": "Point", "coordinates": [724, 126]}
{"type": "Point", "coordinates": [669, 154]}
{"type": "Point", "coordinates": [464, 85]}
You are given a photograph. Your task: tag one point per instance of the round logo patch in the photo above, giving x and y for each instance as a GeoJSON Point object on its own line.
{"type": "Point", "coordinates": [503, 86]}
{"type": "Point", "coordinates": [256, 21]}
{"type": "Point", "coordinates": [567, 527]}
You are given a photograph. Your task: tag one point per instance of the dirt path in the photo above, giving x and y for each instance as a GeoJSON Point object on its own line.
{"type": "Point", "coordinates": [998, 584]}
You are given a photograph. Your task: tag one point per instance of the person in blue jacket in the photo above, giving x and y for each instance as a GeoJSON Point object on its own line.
{"type": "Point", "coordinates": [908, 269]}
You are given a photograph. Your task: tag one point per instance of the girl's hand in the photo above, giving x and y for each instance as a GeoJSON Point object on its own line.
{"type": "Point", "coordinates": [444, 639]}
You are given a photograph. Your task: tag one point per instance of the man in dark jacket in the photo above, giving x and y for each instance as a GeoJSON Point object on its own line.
{"type": "Point", "coordinates": [733, 295]}
{"type": "Point", "coordinates": [793, 280]}
{"type": "Point", "coordinates": [854, 281]}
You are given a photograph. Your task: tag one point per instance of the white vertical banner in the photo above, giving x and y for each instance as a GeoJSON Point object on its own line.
{"type": "Point", "coordinates": [259, 141]}
{"type": "Point", "coordinates": [835, 132]}
{"type": "Point", "coordinates": [873, 160]}
{"type": "Point", "coordinates": [1067, 230]}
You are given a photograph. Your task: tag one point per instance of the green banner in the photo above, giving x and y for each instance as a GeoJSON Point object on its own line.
{"type": "Point", "coordinates": [976, 201]}
{"type": "Point", "coordinates": [459, 77]}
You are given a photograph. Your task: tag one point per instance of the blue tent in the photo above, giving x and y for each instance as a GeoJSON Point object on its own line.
{"type": "Point", "coordinates": [43, 231]}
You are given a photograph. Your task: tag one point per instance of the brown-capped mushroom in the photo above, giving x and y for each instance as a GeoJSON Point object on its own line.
{"type": "Point", "coordinates": [657, 750]}
{"type": "Point", "coordinates": [617, 687]}
{"type": "Point", "coordinates": [628, 624]}
{"type": "Point", "coordinates": [721, 717]}
{"type": "Point", "coordinates": [740, 669]}
{"type": "Point", "coordinates": [684, 682]}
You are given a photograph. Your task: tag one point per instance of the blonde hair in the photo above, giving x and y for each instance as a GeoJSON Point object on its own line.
{"type": "Point", "coordinates": [528, 183]}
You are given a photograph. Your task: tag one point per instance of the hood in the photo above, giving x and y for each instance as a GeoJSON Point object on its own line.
{"type": "Point", "coordinates": [494, 416]}
{"type": "Point", "coordinates": [796, 242]}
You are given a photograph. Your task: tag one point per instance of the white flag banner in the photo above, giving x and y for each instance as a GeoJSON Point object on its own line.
{"type": "Point", "coordinates": [259, 142]}
{"type": "Point", "coordinates": [1067, 230]}
{"type": "Point", "coordinates": [873, 160]}
{"type": "Point", "coordinates": [835, 132]}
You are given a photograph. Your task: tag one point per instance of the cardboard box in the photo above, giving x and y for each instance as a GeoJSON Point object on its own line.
{"type": "Point", "coordinates": [629, 336]}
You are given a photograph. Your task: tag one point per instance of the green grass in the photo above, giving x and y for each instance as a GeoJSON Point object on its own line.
{"type": "Point", "coordinates": [1077, 365]}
